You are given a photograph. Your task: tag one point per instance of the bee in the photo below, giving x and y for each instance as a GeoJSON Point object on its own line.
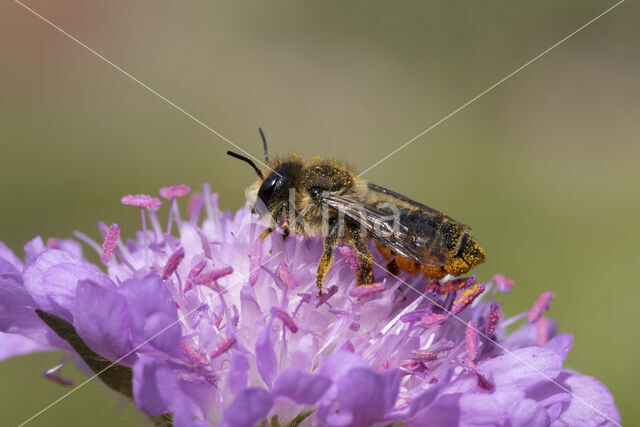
{"type": "Point", "coordinates": [321, 197]}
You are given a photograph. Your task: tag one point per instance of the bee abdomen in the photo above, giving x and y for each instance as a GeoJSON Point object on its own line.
{"type": "Point", "coordinates": [470, 251]}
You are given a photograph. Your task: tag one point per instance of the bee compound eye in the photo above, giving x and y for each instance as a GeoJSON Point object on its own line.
{"type": "Point", "coordinates": [267, 188]}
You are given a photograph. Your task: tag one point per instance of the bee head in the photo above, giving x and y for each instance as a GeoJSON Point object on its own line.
{"type": "Point", "coordinates": [273, 189]}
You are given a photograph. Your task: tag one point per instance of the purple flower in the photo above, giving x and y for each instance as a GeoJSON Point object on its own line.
{"type": "Point", "coordinates": [209, 326]}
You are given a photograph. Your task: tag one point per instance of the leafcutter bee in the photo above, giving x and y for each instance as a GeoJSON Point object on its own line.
{"type": "Point", "coordinates": [326, 198]}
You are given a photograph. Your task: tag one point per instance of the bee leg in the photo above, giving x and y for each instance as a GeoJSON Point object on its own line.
{"type": "Point", "coordinates": [274, 222]}
{"type": "Point", "coordinates": [359, 244]}
{"type": "Point", "coordinates": [330, 242]}
{"type": "Point", "coordinates": [266, 233]}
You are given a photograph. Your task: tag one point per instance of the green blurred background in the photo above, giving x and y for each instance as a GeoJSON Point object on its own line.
{"type": "Point", "coordinates": [544, 167]}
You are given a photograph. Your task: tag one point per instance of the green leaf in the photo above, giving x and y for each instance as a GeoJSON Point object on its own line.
{"type": "Point", "coordinates": [301, 417]}
{"type": "Point", "coordinates": [275, 422]}
{"type": "Point", "coordinates": [117, 377]}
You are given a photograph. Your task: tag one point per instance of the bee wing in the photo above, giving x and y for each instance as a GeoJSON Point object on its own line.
{"type": "Point", "coordinates": [391, 226]}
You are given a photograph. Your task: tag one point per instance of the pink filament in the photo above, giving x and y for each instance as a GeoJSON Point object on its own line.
{"type": "Point", "coordinates": [540, 306]}
{"type": "Point", "coordinates": [467, 297]}
{"type": "Point", "coordinates": [172, 263]}
{"type": "Point", "coordinates": [213, 275]}
{"type": "Point", "coordinates": [493, 318]}
{"type": "Point", "coordinates": [174, 191]}
{"type": "Point", "coordinates": [195, 272]}
{"type": "Point", "coordinates": [109, 244]}
{"type": "Point", "coordinates": [141, 200]}
{"type": "Point", "coordinates": [471, 340]}
{"type": "Point", "coordinates": [284, 274]}
{"type": "Point", "coordinates": [350, 256]}
{"type": "Point", "coordinates": [451, 286]}
{"type": "Point", "coordinates": [286, 319]}
{"type": "Point", "coordinates": [502, 282]}
{"type": "Point", "coordinates": [192, 353]}
{"type": "Point", "coordinates": [431, 320]}
{"type": "Point", "coordinates": [367, 290]}
{"type": "Point", "coordinates": [223, 346]}
{"type": "Point", "coordinates": [324, 298]}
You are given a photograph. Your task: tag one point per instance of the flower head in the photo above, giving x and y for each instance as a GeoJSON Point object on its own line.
{"type": "Point", "coordinates": [216, 327]}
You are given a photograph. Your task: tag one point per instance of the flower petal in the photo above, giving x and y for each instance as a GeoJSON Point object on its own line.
{"type": "Point", "coordinates": [8, 255]}
{"type": "Point", "coordinates": [300, 387]}
{"type": "Point", "coordinates": [154, 317]}
{"type": "Point", "coordinates": [15, 345]}
{"type": "Point", "coordinates": [561, 344]}
{"type": "Point", "coordinates": [101, 318]}
{"type": "Point", "coordinates": [364, 397]}
{"type": "Point", "coordinates": [266, 356]}
{"type": "Point", "coordinates": [238, 372]}
{"type": "Point", "coordinates": [33, 248]}
{"type": "Point", "coordinates": [459, 409]}
{"type": "Point", "coordinates": [522, 368]}
{"type": "Point", "coordinates": [248, 408]}
{"type": "Point", "coordinates": [151, 383]}
{"type": "Point", "coordinates": [51, 279]}
{"type": "Point", "coordinates": [594, 401]}
{"type": "Point", "coordinates": [339, 363]}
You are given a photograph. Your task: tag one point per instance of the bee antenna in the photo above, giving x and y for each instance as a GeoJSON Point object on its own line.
{"type": "Point", "coordinates": [264, 146]}
{"type": "Point", "coordinates": [248, 160]}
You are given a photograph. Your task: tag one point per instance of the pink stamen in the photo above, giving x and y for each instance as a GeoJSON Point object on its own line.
{"type": "Point", "coordinates": [451, 286]}
{"type": "Point", "coordinates": [212, 276]}
{"type": "Point", "coordinates": [492, 319]}
{"type": "Point", "coordinates": [348, 346]}
{"type": "Point", "coordinates": [235, 319]}
{"type": "Point", "coordinates": [195, 272]}
{"type": "Point", "coordinates": [53, 243]}
{"type": "Point", "coordinates": [222, 347]}
{"type": "Point", "coordinates": [414, 368]}
{"type": "Point", "coordinates": [305, 297]}
{"type": "Point", "coordinates": [172, 263]}
{"type": "Point", "coordinates": [367, 290]}
{"type": "Point", "coordinates": [255, 262]}
{"type": "Point", "coordinates": [141, 200]}
{"type": "Point", "coordinates": [471, 341]}
{"type": "Point", "coordinates": [192, 353]}
{"type": "Point", "coordinates": [423, 355]}
{"type": "Point", "coordinates": [54, 375]}
{"type": "Point", "coordinates": [431, 320]}
{"type": "Point", "coordinates": [483, 382]}
{"type": "Point", "coordinates": [284, 274]}
{"type": "Point", "coordinates": [286, 319]}
{"type": "Point", "coordinates": [502, 283]}
{"type": "Point", "coordinates": [109, 244]}
{"type": "Point", "coordinates": [467, 297]}
{"type": "Point", "coordinates": [540, 306]}
{"type": "Point", "coordinates": [350, 256]}
{"type": "Point", "coordinates": [414, 316]}
{"type": "Point", "coordinates": [386, 365]}
{"type": "Point", "coordinates": [219, 317]}
{"type": "Point", "coordinates": [174, 191]}
{"type": "Point", "coordinates": [324, 298]}
{"type": "Point", "coordinates": [542, 329]}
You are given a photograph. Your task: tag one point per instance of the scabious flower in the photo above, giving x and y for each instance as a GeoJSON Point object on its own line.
{"type": "Point", "coordinates": [209, 326]}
